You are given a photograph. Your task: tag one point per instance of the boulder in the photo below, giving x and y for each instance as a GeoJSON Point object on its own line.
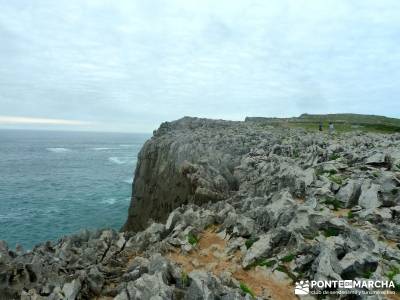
{"type": "Point", "coordinates": [369, 197]}
{"type": "Point", "coordinates": [349, 193]}
{"type": "Point", "coordinates": [358, 264]}
{"type": "Point", "coordinates": [149, 287]}
{"type": "Point", "coordinates": [377, 158]}
{"type": "Point", "coordinates": [268, 244]}
{"type": "Point", "coordinates": [71, 289]}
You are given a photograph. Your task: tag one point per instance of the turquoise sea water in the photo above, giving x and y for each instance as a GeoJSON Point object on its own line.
{"type": "Point", "coordinates": [57, 183]}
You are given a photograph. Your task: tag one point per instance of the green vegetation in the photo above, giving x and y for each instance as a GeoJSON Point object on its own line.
{"type": "Point", "coordinates": [331, 231]}
{"type": "Point", "coordinates": [284, 269]}
{"type": "Point", "coordinates": [350, 215]}
{"type": "Point", "coordinates": [334, 202]}
{"type": "Point", "coordinates": [250, 242]}
{"type": "Point", "coordinates": [336, 179]}
{"type": "Point", "coordinates": [393, 272]}
{"type": "Point", "coordinates": [288, 258]}
{"type": "Point", "coordinates": [319, 172]}
{"type": "Point", "coordinates": [266, 263]}
{"type": "Point", "coordinates": [395, 192]}
{"type": "Point", "coordinates": [246, 289]}
{"type": "Point", "coordinates": [342, 122]}
{"type": "Point", "coordinates": [185, 280]}
{"type": "Point", "coordinates": [334, 156]}
{"type": "Point", "coordinates": [367, 274]}
{"type": "Point", "coordinates": [192, 239]}
{"type": "Point", "coordinates": [332, 172]}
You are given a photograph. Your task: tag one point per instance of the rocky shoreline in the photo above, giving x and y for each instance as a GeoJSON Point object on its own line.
{"type": "Point", "coordinates": [232, 210]}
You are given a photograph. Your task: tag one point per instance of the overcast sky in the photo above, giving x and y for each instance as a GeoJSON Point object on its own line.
{"type": "Point", "coordinates": [129, 65]}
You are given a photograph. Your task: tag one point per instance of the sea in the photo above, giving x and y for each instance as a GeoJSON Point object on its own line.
{"type": "Point", "coordinates": [55, 183]}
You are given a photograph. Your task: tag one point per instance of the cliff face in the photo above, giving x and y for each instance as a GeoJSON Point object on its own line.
{"type": "Point", "coordinates": [187, 161]}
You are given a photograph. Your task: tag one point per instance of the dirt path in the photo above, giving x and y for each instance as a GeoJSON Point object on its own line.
{"type": "Point", "coordinates": [210, 255]}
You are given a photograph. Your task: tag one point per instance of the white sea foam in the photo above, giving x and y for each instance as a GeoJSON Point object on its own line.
{"type": "Point", "coordinates": [116, 160]}
{"type": "Point", "coordinates": [122, 160]}
{"type": "Point", "coordinates": [103, 148]}
{"type": "Point", "coordinates": [109, 201]}
{"type": "Point", "coordinates": [128, 181]}
{"type": "Point", "coordinates": [58, 150]}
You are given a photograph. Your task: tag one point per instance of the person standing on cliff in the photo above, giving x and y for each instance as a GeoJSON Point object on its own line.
{"type": "Point", "coordinates": [320, 126]}
{"type": "Point", "coordinates": [331, 128]}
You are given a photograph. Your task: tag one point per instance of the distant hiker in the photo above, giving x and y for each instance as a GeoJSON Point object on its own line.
{"type": "Point", "coordinates": [331, 128]}
{"type": "Point", "coordinates": [320, 126]}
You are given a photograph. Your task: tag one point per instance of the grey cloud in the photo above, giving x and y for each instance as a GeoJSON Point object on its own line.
{"type": "Point", "coordinates": [129, 65]}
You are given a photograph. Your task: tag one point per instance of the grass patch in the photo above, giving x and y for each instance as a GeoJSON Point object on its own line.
{"type": "Point", "coordinates": [185, 280]}
{"type": "Point", "coordinates": [288, 258]}
{"type": "Point", "coordinates": [334, 202]}
{"type": "Point", "coordinates": [334, 156]}
{"type": "Point", "coordinates": [192, 239]}
{"type": "Point", "coordinates": [393, 272]}
{"type": "Point", "coordinates": [368, 274]}
{"type": "Point", "coordinates": [342, 122]}
{"type": "Point", "coordinates": [331, 231]}
{"type": "Point", "coordinates": [247, 290]}
{"type": "Point", "coordinates": [336, 179]}
{"type": "Point", "coordinates": [350, 215]}
{"type": "Point", "coordinates": [381, 128]}
{"type": "Point", "coordinates": [332, 172]}
{"type": "Point", "coordinates": [250, 242]}
{"type": "Point", "coordinates": [266, 263]}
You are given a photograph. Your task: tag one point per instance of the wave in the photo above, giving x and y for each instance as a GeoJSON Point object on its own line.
{"type": "Point", "coordinates": [122, 160]}
{"type": "Point", "coordinates": [109, 201]}
{"type": "Point", "coordinates": [58, 150]}
{"type": "Point", "coordinates": [103, 148]}
{"type": "Point", "coordinates": [116, 160]}
{"type": "Point", "coordinates": [11, 216]}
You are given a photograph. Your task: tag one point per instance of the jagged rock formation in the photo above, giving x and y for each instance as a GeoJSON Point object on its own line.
{"type": "Point", "coordinates": [222, 210]}
{"type": "Point", "coordinates": [188, 161]}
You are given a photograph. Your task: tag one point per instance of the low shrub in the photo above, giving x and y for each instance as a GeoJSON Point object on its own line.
{"type": "Point", "coordinates": [288, 258]}
{"type": "Point", "coordinates": [246, 289]}
{"type": "Point", "coordinates": [192, 239]}
{"type": "Point", "coordinates": [250, 242]}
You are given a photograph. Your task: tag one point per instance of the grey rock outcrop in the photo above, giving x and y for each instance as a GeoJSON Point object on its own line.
{"type": "Point", "coordinates": [217, 205]}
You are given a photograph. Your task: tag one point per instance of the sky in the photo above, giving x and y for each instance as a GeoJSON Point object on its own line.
{"type": "Point", "coordinates": [114, 65]}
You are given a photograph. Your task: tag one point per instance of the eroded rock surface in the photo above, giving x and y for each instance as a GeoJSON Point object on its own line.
{"type": "Point", "coordinates": [222, 210]}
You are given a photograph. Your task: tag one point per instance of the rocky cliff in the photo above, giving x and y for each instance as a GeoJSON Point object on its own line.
{"type": "Point", "coordinates": [188, 161]}
{"type": "Point", "coordinates": [233, 210]}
